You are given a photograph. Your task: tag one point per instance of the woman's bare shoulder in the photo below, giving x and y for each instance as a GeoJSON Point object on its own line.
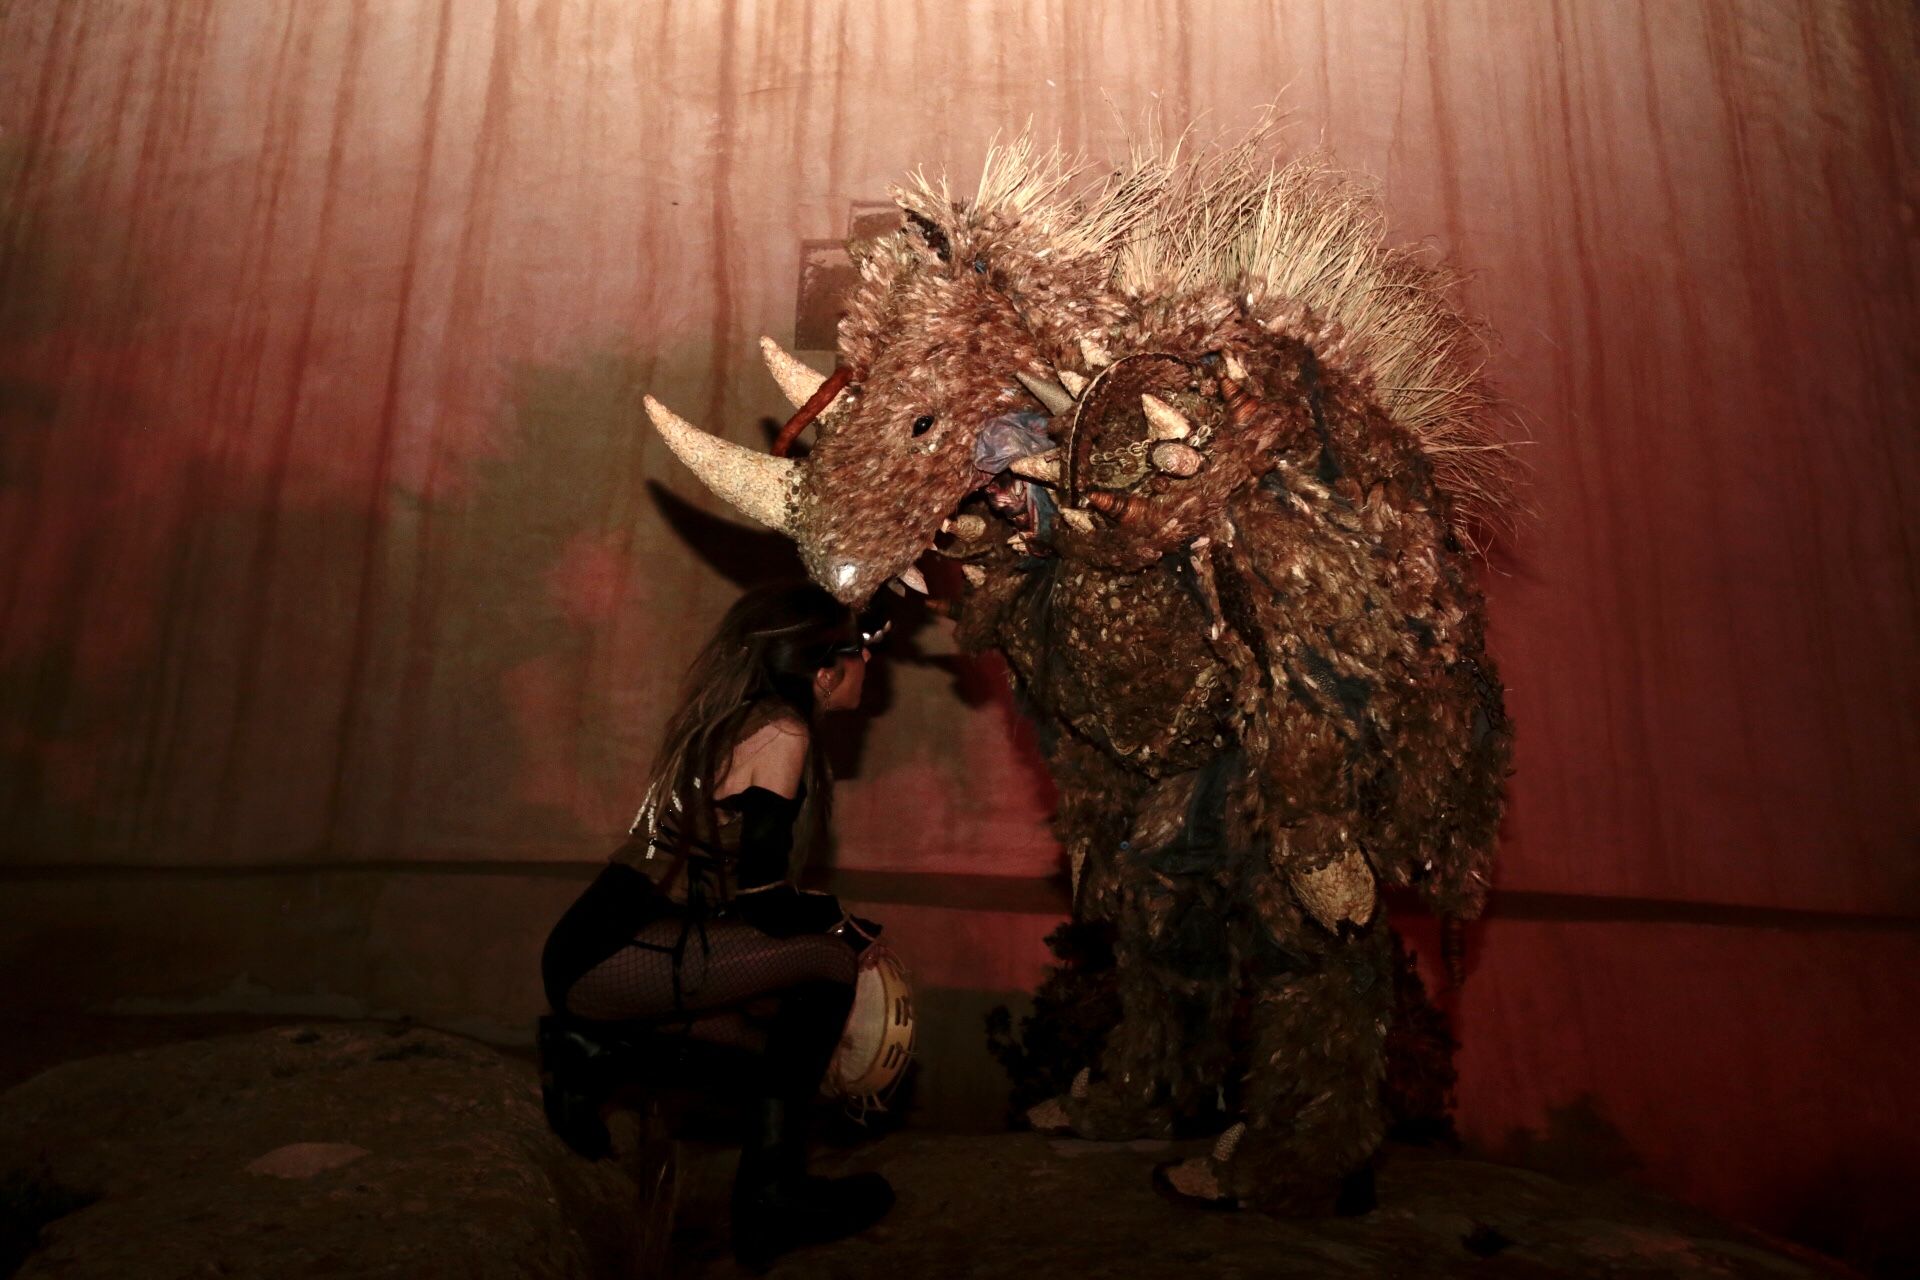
{"type": "Point", "coordinates": [771, 753]}
{"type": "Point", "coordinates": [778, 733]}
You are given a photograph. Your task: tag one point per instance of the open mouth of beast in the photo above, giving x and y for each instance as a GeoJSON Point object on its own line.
{"type": "Point", "coordinates": [1009, 511]}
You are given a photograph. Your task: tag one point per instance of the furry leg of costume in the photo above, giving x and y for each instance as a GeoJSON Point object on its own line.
{"type": "Point", "coordinates": [1314, 1116]}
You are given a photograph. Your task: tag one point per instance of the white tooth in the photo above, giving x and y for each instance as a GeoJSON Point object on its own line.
{"type": "Point", "coordinates": [1235, 370]}
{"type": "Point", "coordinates": [974, 573]}
{"type": "Point", "coordinates": [914, 578]}
{"type": "Point", "coordinates": [894, 585]}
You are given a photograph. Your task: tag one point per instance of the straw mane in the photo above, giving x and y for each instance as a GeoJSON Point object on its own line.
{"type": "Point", "coordinates": [1302, 244]}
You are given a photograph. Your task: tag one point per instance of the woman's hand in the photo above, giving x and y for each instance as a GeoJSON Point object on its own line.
{"type": "Point", "coordinates": [859, 932]}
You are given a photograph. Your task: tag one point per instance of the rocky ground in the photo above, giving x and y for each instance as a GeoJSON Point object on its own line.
{"type": "Point", "coordinates": [1017, 1205]}
{"type": "Point", "coordinates": [377, 1150]}
{"type": "Point", "coordinates": [337, 1150]}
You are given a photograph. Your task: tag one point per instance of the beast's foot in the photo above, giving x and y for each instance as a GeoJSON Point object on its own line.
{"type": "Point", "coordinates": [1096, 1111]}
{"type": "Point", "coordinates": [1050, 1117]}
{"type": "Point", "coordinates": [1193, 1182]}
{"type": "Point", "coordinates": [1219, 1181]}
{"type": "Point", "coordinates": [1198, 1181]}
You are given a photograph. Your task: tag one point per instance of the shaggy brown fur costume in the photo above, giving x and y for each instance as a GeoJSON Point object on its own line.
{"type": "Point", "coordinates": [1235, 591]}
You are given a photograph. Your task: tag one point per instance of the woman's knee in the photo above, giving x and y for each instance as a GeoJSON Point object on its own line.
{"type": "Point", "coordinates": [838, 963]}
{"type": "Point", "coordinates": [816, 958]}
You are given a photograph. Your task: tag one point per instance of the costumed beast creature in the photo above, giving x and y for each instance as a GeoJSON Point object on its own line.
{"type": "Point", "coordinates": [1212, 458]}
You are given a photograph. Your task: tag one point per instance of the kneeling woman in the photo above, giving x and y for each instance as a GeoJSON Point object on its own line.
{"type": "Point", "coordinates": [696, 922]}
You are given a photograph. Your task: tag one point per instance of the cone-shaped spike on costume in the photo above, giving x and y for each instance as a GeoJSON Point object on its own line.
{"type": "Point", "coordinates": [1073, 382]}
{"type": "Point", "coordinates": [758, 485]}
{"type": "Point", "coordinates": [1124, 508]}
{"type": "Point", "coordinates": [1096, 356]}
{"type": "Point", "coordinates": [798, 380]}
{"type": "Point", "coordinates": [1049, 393]}
{"type": "Point", "coordinates": [1164, 422]}
{"type": "Point", "coordinates": [1044, 467]}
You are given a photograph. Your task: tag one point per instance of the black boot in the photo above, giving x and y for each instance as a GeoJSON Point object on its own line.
{"type": "Point", "coordinates": [573, 1084]}
{"type": "Point", "coordinates": [777, 1206]}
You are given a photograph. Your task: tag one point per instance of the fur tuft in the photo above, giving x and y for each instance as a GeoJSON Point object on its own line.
{"type": "Point", "coordinates": [1301, 244]}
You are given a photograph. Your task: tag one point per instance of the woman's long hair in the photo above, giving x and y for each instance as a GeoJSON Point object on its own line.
{"type": "Point", "coordinates": [759, 664]}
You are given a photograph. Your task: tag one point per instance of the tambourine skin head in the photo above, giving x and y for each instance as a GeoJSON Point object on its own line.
{"type": "Point", "coordinates": [877, 1044]}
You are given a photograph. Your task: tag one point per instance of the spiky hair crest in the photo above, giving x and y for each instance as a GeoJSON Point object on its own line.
{"type": "Point", "coordinates": [1299, 244]}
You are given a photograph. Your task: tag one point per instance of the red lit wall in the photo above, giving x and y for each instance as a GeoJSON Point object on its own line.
{"type": "Point", "coordinates": [332, 544]}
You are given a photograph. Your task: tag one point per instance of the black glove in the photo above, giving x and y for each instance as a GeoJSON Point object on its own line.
{"type": "Point", "coordinates": [764, 898]}
{"type": "Point", "coordinates": [766, 836]}
{"type": "Point", "coordinates": [785, 912]}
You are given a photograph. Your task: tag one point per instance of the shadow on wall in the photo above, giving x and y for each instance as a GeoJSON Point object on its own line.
{"type": "Point", "coordinates": [1579, 1143]}
{"type": "Point", "coordinates": [566, 612]}
{"type": "Point", "coordinates": [232, 633]}
{"type": "Point", "coordinates": [198, 667]}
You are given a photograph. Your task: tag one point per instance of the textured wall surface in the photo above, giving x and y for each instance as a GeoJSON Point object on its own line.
{"type": "Point", "coordinates": [329, 534]}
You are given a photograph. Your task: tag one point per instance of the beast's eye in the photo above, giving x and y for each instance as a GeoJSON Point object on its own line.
{"type": "Point", "coordinates": [923, 424]}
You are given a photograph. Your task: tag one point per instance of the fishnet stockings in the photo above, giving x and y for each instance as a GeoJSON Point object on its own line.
{"type": "Point", "coordinates": [721, 982]}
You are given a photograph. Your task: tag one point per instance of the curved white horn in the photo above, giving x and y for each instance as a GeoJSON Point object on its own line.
{"type": "Point", "coordinates": [759, 485]}
{"type": "Point", "coordinates": [798, 380]}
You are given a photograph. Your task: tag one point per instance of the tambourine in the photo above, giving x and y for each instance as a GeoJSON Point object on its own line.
{"type": "Point", "coordinates": [877, 1044]}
